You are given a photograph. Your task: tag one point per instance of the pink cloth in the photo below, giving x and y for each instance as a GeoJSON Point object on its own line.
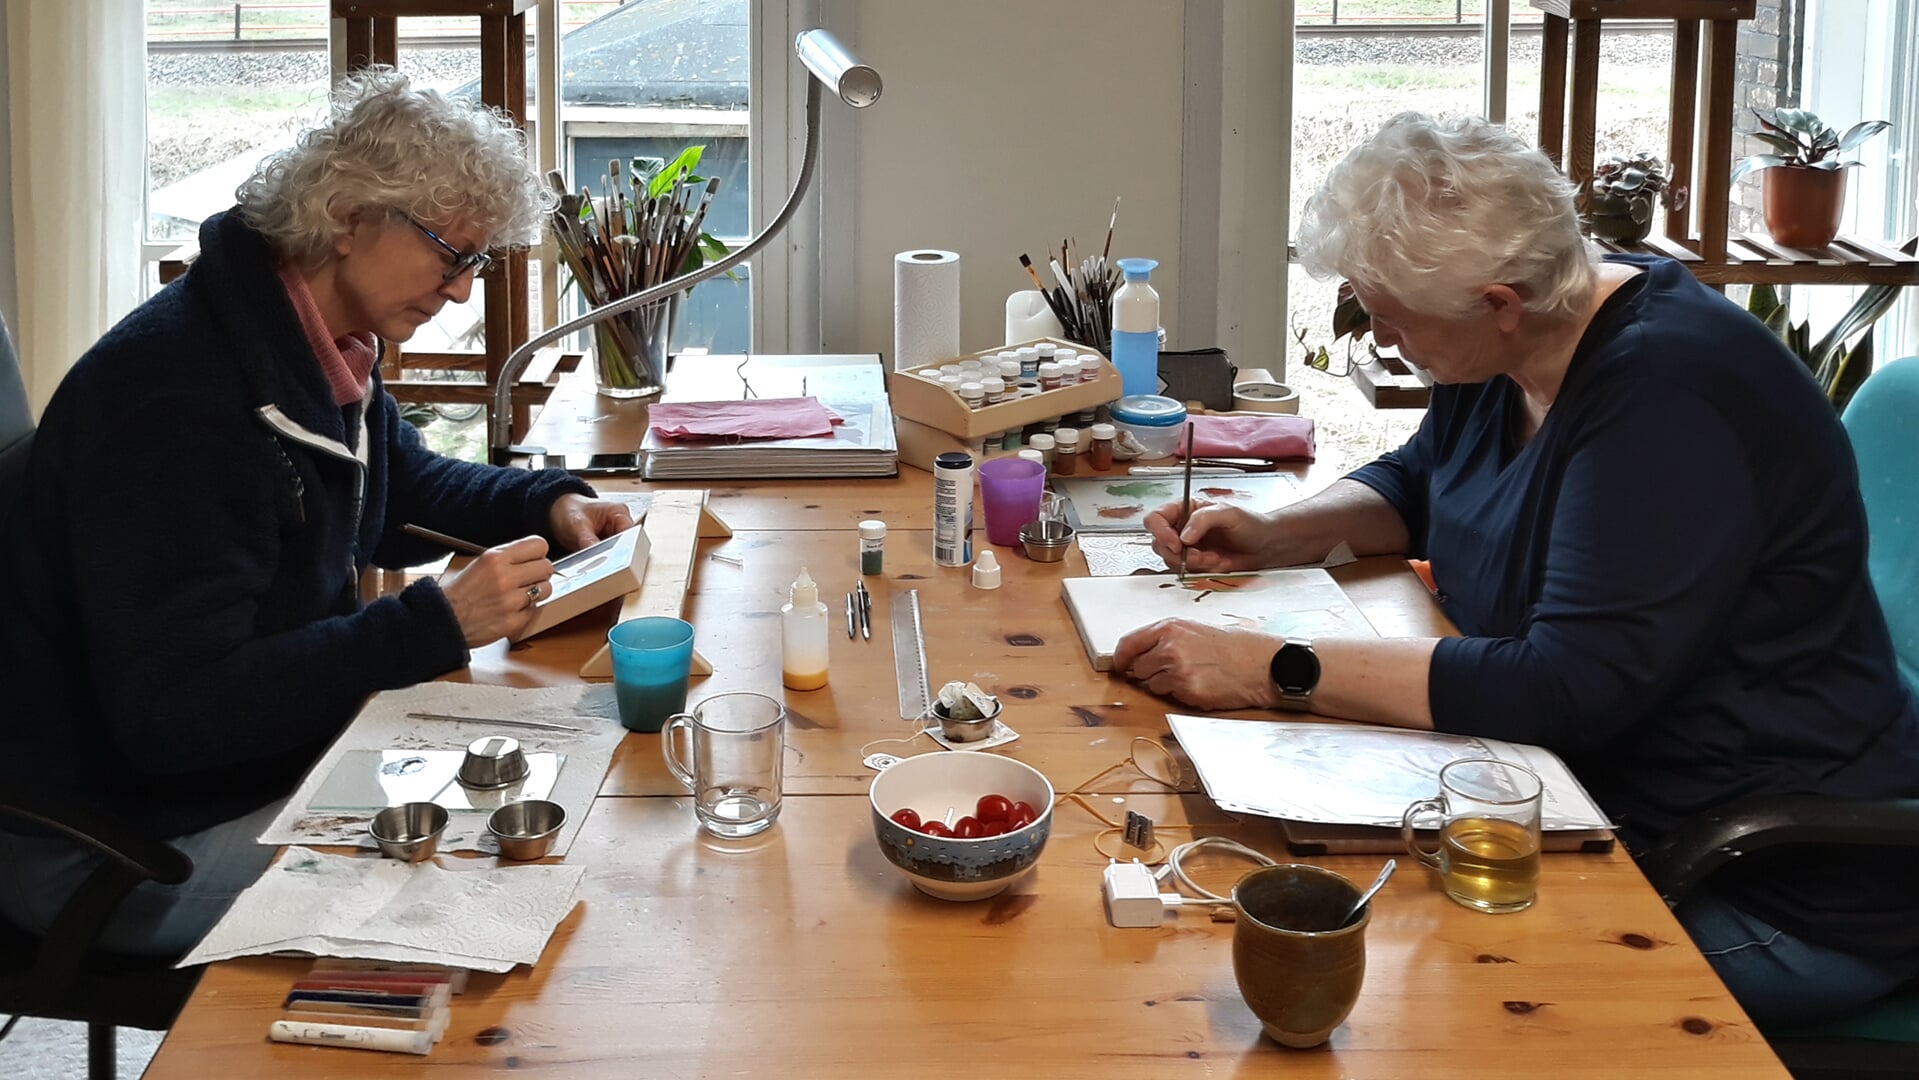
{"type": "Point", "coordinates": [347, 361]}
{"type": "Point", "coordinates": [1277, 436]}
{"type": "Point", "coordinates": [759, 418]}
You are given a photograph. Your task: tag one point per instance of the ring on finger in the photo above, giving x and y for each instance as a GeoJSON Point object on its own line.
{"type": "Point", "coordinates": [533, 592]}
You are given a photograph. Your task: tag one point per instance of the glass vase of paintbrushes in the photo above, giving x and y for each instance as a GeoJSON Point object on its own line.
{"type": "Point", "coordinates": [641, 230]}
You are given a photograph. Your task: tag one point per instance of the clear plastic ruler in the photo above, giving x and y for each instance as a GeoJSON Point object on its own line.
{"type": "Point", "coordinates": [909, 656]}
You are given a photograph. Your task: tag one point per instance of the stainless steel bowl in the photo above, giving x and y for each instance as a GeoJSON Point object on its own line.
{"type": "Point", "coordinates": [526, 829]}
{"type": "Point", "coordinates": [966, 730]}
{"type": "Point", "coordinates": [493, 762]}
{"type": "Point", "coordinates": [409, 832]}
{"type": "Point", "coordinates": [1046, 541]}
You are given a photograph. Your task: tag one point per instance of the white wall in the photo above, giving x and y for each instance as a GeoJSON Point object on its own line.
{"type": "Point", "coordinates": [1005, 126]}
{"type": "Point", "coordinates": [9, 288]}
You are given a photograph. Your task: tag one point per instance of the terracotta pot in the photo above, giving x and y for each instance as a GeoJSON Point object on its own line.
{"type": "Point", "coordinates": [1803, 205]}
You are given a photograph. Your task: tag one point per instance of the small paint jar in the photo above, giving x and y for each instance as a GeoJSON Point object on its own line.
{"type": "Point", "coordinates": [1068, 371]}
{"type": "Point", "coordinates": [1065, 451]}
{"type": "Point", "coordinates": [872, 547]}
{"type": "Point", "coordinates": [995, 388]}
{"type": "Point", "coordinates": [1049, 376]}
{"type": "Point", "coordinates": [952, 383]}
{"type": "Point", "coordinates": [931, 374]}
{"type": "Point", "coordinates": [949, 369]}
{"type": "Point", "coordinates": [1010, 438]}
{"type": "Point", "coordinates": [1033, 455]}
{"type": "Point", "coordinates": [1044, 444]}
{"type": "Point", "coordinates": [1099, 453]}
{"type": "Point", "coordinates": [973, 394]}
{"type": "Point", "coordinates": [1047, 350]}
{"type": "Point", "coordinates": [1028, 362]}
{"type": "Point", "coordinates": [1009, 370]}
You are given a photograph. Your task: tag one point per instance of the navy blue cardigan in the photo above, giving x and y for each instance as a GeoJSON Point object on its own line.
{"type": "Point", "coordinates": [1667, 585]}
{"type": "Point", "coordinates": [180, 616]}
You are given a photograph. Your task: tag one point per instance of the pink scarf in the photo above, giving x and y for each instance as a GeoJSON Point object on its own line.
{"type": "Point", "coordinates": [347, 361]}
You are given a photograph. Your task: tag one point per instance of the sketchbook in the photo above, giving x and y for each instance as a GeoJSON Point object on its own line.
{"type": "Point", "coordinates": [590, 577]}
{"type": "Point", "coordinates": [1289, 603]}
{"type": "Point", "coordinates": [1339, 787]}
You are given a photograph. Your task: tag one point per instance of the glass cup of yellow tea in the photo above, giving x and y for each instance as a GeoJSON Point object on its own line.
{"type": "Point", "coordinates": [1487, 814]}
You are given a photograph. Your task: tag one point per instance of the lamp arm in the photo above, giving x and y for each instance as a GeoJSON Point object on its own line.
{"type": "Point", "coordinates": [499, 420]}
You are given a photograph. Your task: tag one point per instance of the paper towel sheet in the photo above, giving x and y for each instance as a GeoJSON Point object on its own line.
{"type": "Point", "coordinates": [926, 308]}
{"type": "Point", "coordinates": [383, 723]}
{"type": "Point", "coordinates": [436, 912]}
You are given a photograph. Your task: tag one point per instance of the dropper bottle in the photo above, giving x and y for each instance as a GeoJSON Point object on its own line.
{"type": "Point", "coordinates": [803, 637]}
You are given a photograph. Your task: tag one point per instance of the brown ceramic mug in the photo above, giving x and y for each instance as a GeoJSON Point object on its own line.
{"type": "Point", "coordinates": [1298, 961]}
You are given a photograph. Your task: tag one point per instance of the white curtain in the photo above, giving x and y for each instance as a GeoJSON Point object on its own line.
{"type": "Point", "coordinates": [76, 98]}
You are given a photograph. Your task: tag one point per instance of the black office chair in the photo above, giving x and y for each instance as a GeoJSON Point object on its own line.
{"type": "Point", "coordinates": [65, 976]}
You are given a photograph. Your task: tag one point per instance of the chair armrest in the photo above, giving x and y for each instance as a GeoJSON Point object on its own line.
{"type": "Point", "coordinates": [151, 859]}
{"type": "Point", "coordinates": [1692, 853]}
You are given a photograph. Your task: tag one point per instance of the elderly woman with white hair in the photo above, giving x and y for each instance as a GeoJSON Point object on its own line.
{"type": "Point", "coordinates": [1643, 518]}
{"type": "Point", "coordinates": [180, 609]}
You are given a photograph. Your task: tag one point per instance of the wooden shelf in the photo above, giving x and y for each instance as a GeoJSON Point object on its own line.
{"type": "Point", "coordinates": [1753, 259]}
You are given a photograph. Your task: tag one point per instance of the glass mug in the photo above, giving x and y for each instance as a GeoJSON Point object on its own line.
{"type": "Point", "coordinates": [734, 769]}
{"type": "Point", "coordinates": [1488, 855]}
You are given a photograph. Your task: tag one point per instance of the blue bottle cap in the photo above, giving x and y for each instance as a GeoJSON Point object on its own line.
{"type": "Point", "coordinates": [1136, 269]}
{"type": "Point", "coordinates": [1149, 410]}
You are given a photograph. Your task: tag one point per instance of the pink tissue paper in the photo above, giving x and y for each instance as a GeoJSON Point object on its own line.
{"type": "Point", "coordinates": [758, 418]}
{"type": "Point", "coordinates": [1277, 437]}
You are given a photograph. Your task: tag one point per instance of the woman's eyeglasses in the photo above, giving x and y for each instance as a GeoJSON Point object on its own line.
{"type": "Point", "coordinates": [476, 261]}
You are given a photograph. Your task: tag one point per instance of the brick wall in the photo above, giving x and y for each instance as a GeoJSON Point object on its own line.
{"type": "Point", "coordinates": [1769, 72]}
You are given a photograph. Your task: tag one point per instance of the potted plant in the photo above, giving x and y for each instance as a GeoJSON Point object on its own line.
{"type": "Point", "coordinates": [1624, 190]}
{"type": "Point", "coordinates": [1805, 182]}
{"type": "Point", "coordinates": [1837, 362]}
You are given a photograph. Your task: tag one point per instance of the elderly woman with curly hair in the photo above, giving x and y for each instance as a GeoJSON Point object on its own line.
{"type": "Point", "coordinates": [1645, 521]}
{"type": "Point", "coordinates": [180, 609]}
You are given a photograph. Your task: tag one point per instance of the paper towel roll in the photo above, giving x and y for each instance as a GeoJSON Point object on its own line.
{"type": "Point", "coordinates": [1029, 316]}
{"type": "Point", "coordinates": [926, 308]}
{"type": "Point", "coordinates": [1267, 397]}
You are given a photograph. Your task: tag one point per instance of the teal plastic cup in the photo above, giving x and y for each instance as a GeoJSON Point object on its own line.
{"type": "Point", "coordinates": [652, 661]}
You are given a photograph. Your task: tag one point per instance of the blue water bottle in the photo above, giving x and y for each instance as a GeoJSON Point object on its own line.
{"type": "Point", "coordinates": [1136, 329]}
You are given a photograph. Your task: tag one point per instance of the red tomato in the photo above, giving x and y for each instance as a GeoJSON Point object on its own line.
{"type": "Point", "coordinates": [966, 828]}
{"type": "Point", "coordinates": [995, 808]}
{"type": "Point", "coordinates": [1022, 817]}
{"type": "Point", "coordinates": [992, 828]}
{"type": "Point", "coordinates": [1031, 813]}
{"type": "Point", "coordinates": [907, 817]}
{"type": "Point", "coordinates": [936, 828]}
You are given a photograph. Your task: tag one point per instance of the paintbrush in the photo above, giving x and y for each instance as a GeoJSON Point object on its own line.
{"type": "Point", "coordinates": [464, 547]}
{"type": "Point", "coordinates": [1107, 251]}
{"type": "Point", "coordinates": [1186, 514]}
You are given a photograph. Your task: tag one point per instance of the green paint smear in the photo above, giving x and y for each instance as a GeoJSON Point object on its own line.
{"type": "Point", "coordinates": [1138, 491]}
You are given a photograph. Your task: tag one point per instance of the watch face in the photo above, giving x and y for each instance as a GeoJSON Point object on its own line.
{"type": "Point", "coordinates": [1295, 669]}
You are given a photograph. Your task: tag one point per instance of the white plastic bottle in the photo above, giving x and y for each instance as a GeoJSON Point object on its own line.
{"type": "Point", "coordinates": [1136, 329]}
{"type": "Point", "coordinates": [803, 637]}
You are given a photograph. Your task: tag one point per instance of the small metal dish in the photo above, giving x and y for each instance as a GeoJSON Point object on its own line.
{"type": "Point", "coordinates": [966, 730]}
{"type": "Point", "coordinates": [526, 829]}
{"type": "Point", "coordinates": [409, 832]}
{"type": "Point", "coordinates": [493, 762]}
{"type": "Point", "coordinates": [1046, 540]}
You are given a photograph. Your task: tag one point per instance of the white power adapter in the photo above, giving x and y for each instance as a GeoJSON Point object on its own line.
{"type": "Point", "coordinates": [1132, 895]}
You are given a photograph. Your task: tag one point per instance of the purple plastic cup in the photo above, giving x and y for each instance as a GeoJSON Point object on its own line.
{"type": "Point", "coordinates": [1011, 489]}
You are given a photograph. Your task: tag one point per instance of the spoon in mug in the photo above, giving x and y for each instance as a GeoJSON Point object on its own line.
{"type": "Point", "coordinates": [1384, 873]}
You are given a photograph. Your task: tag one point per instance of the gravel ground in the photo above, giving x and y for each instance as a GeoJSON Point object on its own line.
{"type": "Point", "coordinates": [1332, 115]}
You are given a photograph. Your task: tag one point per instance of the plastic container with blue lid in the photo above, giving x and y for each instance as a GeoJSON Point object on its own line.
{"type": "Point", "coordinates": [1154, 421]}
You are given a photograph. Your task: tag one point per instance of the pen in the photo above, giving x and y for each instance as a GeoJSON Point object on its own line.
{"type": "Point", "coordinates": [1186, 514]}
{"type": "Point", "coordinates": [866, 610]}
{"type": "Point", "coordinates": [462, 546]}
{"type": "Point", "coordinates": [849, 616]}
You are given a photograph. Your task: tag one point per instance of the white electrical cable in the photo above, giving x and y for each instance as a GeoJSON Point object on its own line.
{"type": "Point", "coordinates": [1179, 874]}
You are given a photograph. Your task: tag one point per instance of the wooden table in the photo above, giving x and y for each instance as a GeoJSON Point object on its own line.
{"type": "Point", "coordinates": [804, 953]}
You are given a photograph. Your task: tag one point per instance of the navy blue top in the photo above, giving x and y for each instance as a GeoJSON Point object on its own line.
{"type": "Point", "coordinates": [1667, 586]}
{"type": "Point", "coordinates": [181, 631]}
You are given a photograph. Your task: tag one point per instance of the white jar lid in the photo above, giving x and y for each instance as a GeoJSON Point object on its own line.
{"type": "Point", "coordinates": [872, 529]}
{"type": "Point", "coordinates": [1104, 431]}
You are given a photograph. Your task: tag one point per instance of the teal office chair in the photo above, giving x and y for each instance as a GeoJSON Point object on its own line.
{"type": "Point", "coordinates": [63, 976]}
{"type": "Point", "coordinates": [1883, 1040]}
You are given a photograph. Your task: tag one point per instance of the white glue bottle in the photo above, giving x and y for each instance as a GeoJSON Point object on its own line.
{"type": "Point", "coordinates": [803, 637]}
{"type": "Point", "coordinates": [953, 509]}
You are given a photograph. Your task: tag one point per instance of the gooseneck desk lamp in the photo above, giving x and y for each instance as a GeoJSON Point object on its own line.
{"type": "Point", "coordinates": [833, 67]}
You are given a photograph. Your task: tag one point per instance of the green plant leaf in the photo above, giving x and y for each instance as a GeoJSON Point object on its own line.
{"type": "Point", "coordinates": [1803, 121]}
{"type": "Point", "coordinates": [688, 160]}
{"type": "Point", "coordinates": [1777, 142]}
{"type": "Point", "coordinates": [1319, 360]}
{"type": "Point", "coordinates": [1755, 163]}
{"type": "Point", "coordinates": [1860, 132]}
{"type": "Point", "coordinates": [1763, 303]}
{"type": "Point", "coordinates": [1852, 371]}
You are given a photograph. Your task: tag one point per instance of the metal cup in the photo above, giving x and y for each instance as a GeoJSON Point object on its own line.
{"type": "Point", "coordinates": [409, 832]}
{"type": "Point", "coordinates": [526, 829]}
{"type": "Point", "coordinates": [493, 762]}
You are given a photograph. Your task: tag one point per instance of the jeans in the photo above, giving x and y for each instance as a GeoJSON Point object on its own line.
{"type": "Point", "coordinates": [40, 873]}
{"type": "Point", "coordinates": [1780, 980]}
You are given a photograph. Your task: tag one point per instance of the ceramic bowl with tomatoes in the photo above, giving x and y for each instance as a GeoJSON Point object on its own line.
{"type": "Point", "coordinates": [962, 825]}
